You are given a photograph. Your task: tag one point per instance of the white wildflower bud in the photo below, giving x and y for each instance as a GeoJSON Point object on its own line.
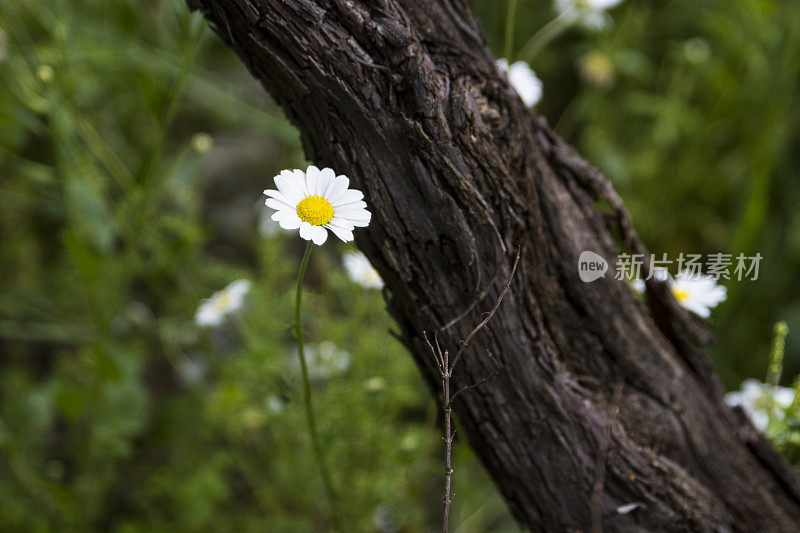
{"type": "Point", "coordinates": [202, 143]}
{"type": "Point", "coordinates": [45, 73]}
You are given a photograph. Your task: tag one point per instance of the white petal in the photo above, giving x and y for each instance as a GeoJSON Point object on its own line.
{"type": "Point", "coordinates": [319, 234]}
{"type": "Point", "coordinates": [277, 195]}
{"type": "Point", "coordinates": [760, 419]}
{"type": "Point", "coordinates": [237, 289]}
{"type": "Point", "coordinates": [341, 223]}
{"type": "Point", "coordinates": [734, 398]}
{"type": "Point", "coordinates": [326, 177]}
{"type": "Point", "coordinates": [282, 180]}
{"type": "Point", "coordinates": [290, 222]}
{"type": "Point", "coordinates": [282, 214]}
{"type": "Point", "coordinates": [344, 234]}
{"type": "Point", "coordinates": [525, 82]}
{"type": "Point", "coordinates": [300, 181]}
{"type": "Point", "coordinates": [784, 396]}
{"type": "Point", "coordinates": [274, 203]}
{"type": "Point", "coordinates": [353, 214]}
{"type": "Point", "coordinates": [277, 215]}
{"type": "Point", "coordinates": [337, 188]}
{"type": "Point", "coordinates": [349, 196]}
{"type": "Point", "coordinates": [207, 315]}
{"type": "Point", "coordinates": [312, 180]}
{"type": "Point", "coordinates": [353, 205]}
{"type": "Point", "coordinates": [305, 231]}
{"type": "Point", "coordinates": [357, 217]}
{"type": "Point", "coordinates": [289, 186]}
{"type": "Point", "coordinates": [697, 308]}
{"type": "Point", "coordinates": [751, 389]}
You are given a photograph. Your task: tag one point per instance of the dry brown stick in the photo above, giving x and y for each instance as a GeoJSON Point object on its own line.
{"type": "Point", "coordinates": [446, 368]}
{"type": "Point", "coordinates": [481, 382]}
{"type": "Point", "coordinates": [490, 314]}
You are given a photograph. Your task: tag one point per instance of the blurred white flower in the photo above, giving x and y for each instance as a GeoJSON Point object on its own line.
{"type": "Point", "coordinates": [409, 442]}
{"type": "Point", "coordinates": [202, 143]}
{"type": "Point", "coordinates": [695, 292]}
{"type": "Point", "coordinates": [275, 404]}
{"type": "Point", "coordinates": [315, 201]}
{"type": "Point", "coordinates": [597, 68]}
{"type": "Point", "coordinates": [192, 370]}
{"type": "Point", "coordinates": [251, 418]}
{"type": "Point", "coordinates": [374, 384]}
{"type": "Point", "coordinates": [760, 400]}
{"type": "Point", "coordinates": [324, 360]}
{"type": "Point", "coordinates": [360, 270]}
{"type": "Point", "coordinates": [601, 4]}
{"type": "Point", "coordinates": [222, 303]}
{"type": "Point", "coordinates": [696, 50]}
{"type": "Point", "coordinates": [384, 519]}
{"type": "Point", "coordinates": [45, 73]}
{"type": "Point", "coordinates": [523, 80]}
{"type": "Point", "coordinates": [589, 13]}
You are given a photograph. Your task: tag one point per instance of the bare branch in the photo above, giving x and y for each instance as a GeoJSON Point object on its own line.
{"type": "Point", "coordinates": [442, 358]}
{"type": "Point", "coordinates": [481, 382]}
{"type": "Point", "coordinates": [437, 353]}
{"type": "Point", "coordinates": [491, 313]}
{"type": "Point", "coordinates": [475, 302]}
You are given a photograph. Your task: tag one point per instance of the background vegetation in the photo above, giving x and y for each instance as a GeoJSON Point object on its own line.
{"type": "Point", "coordinates": [133, 150]}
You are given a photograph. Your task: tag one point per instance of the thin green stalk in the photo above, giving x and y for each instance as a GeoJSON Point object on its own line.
{"type": "Point", "coordinates": [546, 34]}
{"type": "Point", "coordinates": [776, 353]}
{"type": "Point", "coordinates": [312, 424]}
{"type": "Point", "coordinates": [511, 16]}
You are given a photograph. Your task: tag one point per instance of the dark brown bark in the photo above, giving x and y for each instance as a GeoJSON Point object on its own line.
{"type": "Point", "coordinates": [404, 97]}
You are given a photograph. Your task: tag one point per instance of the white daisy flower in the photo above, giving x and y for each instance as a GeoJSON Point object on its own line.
{"type": "Point", "coordinates": [192, 369]}
{"type": "Point", "coordinates": [324, 360]}
{"type": "Point", "coordinates": [222, 303]}
{"type": "Point", "coordinates": [360, 270]}
{"type": "Point", "coordinates": [523, 80]}
{"type": "Point", "coordinates": [316, 201]}
{"type": "Point", "coordinates": [695, 292]}
{"type": "Point", "coordinates": [602, 4]}
{"type": "Point", "coordinates": [374, 384]}
{"type": "Point", "coordinates": [275, 404]}
{"type": "Point", "coordinates": [590, 13]}
{"type": "Point", "coordinates": [760, 400]}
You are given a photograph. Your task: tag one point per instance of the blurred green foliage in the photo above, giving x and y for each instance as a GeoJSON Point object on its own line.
{"type": "Point", "coordinates": [118, 217]}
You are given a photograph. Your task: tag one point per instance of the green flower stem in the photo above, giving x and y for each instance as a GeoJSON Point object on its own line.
{"type": "Point", "coordinates": [511, 16]}
{"type": "Point", "coordinates": [547, 34]}
{"type": "Point", "coordinates": [312, 424]}
{"type": "Point", "coordinates": [776, 353]}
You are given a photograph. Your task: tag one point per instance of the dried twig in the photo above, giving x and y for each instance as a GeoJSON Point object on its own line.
{"type": "Point", "coordinates": [446, 368]}
{"type": "Point", "coordinates": [490, 314]}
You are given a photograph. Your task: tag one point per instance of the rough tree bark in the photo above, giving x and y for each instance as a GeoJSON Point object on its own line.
{"type": "Point", "coordinates": [597, 404]}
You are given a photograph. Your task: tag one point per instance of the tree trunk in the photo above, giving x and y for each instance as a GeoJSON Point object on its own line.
{"type": "Point", "coordinates": [597, 404]}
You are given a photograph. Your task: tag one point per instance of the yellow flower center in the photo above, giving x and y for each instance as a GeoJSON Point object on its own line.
{"type": "Point", "coordinates": [679, 294]}
{"type": "Point", "coordinates": [222, 302]}
{"type": "Point", "coordinates": [315, 210]}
